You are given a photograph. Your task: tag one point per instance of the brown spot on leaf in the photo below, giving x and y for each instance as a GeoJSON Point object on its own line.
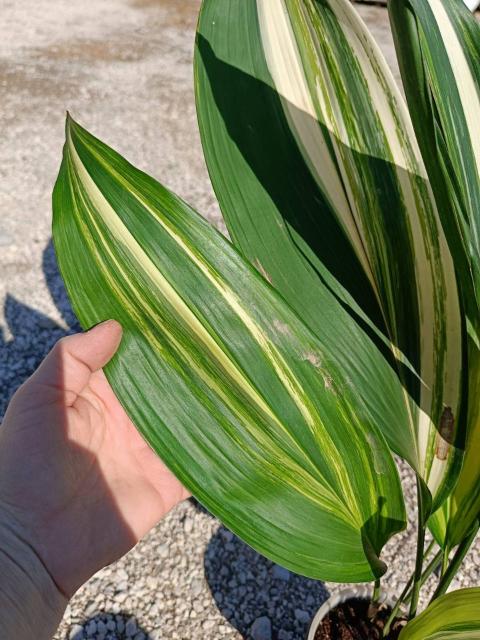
{"type": "Point", "coordinates": [313, 358]}
{"type": "Point", "coordinates": [328, 382]}
{"type": "Point", "coordinates": [445, 434]}
{"type": "Point", "coordinates": [281, 327]}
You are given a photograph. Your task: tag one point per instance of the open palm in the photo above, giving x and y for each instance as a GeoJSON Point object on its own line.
{"type": "Point", "coordinates": [75, 475]}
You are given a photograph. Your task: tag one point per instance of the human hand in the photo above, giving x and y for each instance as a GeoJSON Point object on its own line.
{"type": "Point", "coordinates": [77, 481]}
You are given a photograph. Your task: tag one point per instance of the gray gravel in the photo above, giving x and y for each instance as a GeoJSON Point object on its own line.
{"type": "Point", "coordinates": [123, 68]}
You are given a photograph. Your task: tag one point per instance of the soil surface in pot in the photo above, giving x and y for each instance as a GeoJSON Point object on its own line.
{"type": "Point", "coordinates": [358, 619]}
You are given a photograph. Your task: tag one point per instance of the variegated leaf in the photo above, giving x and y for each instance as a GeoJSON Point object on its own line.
{"type": "Point", "coordinates": [266, 424]}
{"type": "Point", "coordinates": [454, 616]}
{"type": "Point", "coordinates": [314, 161]}
{"type": "Point", "coordinates": [438, 47]}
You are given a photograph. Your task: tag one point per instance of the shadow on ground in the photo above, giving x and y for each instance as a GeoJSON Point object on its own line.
{"type": "Point", "coordinates": [247, 586]}
{"type": "Point", "coordinates": [109, 626]}
{"type": "Point", "coordinates": [34, 333]}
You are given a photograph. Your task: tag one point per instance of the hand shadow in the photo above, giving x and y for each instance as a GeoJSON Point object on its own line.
{"type": "Point", "coordinates": [34, 333]}
{"type": "Point", "coordinates": [246, 586]}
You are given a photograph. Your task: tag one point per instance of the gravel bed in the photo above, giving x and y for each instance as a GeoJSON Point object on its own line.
{"type": "Point", "coordinates": [123, 67]}
{"type": "Point", "coordinates": [191, 577]}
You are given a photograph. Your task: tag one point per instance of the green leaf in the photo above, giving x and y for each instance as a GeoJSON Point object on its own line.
{"type": "Point", "coordinates": [265, 423]}
{"type": "Point", "coordinates": [454, 616]}
{"type": "Point", "coordinates": [314, 161]}
{"type": "Point", "coordinates": [438, 47]}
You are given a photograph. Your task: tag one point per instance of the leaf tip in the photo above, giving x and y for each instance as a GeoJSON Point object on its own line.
{"type": "Point", "coordinates": [70, 124]}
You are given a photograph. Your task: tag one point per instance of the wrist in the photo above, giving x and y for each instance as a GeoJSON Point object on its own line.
{"type": "Point", "coordinates": [31, 605]}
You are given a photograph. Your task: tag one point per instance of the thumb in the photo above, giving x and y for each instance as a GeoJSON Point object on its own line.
{"type": "Point", "coordinates": [95, 347]}
{"type": "Point", "coordinates": [73, 359]}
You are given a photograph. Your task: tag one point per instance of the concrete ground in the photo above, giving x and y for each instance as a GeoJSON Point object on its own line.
{"type": "Point", "coordinates": [123, 68]}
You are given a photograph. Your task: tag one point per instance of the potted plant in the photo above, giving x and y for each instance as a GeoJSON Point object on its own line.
{"type": "Point", "coordinates": [276, 375]}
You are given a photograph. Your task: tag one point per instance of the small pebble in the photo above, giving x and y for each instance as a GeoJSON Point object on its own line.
{"type": "Point", "coordinates": [101, 627]}
{"type": "Point", "coordinates": [152, 582]}
{"type": "Point", "coordinates": [280, 573]}
{"type": "Point", "coordinates": [91, 609]}
{"type": "Point", "coordinates": [196, 588]}
{"type": "Point", "coordinates": [226, 535]}
{"type": "Point", "coordinates": [198, 606]}
{"type": "Point", "coordinates": [122, 585]}
{"type": "Point", "coordinates": [188, 525]}
{"type": "Point", "coordinates": [120, 624]}
{"type": "Point", "coordinates": [76, 632]}
{"type": "Point", "coordinates": [91, 628]}
{"type": "Point", "coordinates": [302, 616]}
{"type": "Point", "coordinates": [120, 597]}
{"type": "Point", "coordinates": [131, 627]}
{"type": "Point", "coordinates": [163, 550]}
{"type": "Point", "coordinates": [207, 625]}
{"type": "Point", "coordinates": [261, 629]}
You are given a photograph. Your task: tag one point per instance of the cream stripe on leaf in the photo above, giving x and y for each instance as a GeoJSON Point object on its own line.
{"type": "Point", "coordinates": [314, 161]}
{"type": "Point", "coordinates": [454, 616]}
{"type": "Point", "coordinates": [438, 47]}
{"type": "Point", "coordinates": [256, 415]}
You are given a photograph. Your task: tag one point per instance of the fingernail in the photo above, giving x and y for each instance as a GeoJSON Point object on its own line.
{"type": "Point", "coordinates": [103, 322]}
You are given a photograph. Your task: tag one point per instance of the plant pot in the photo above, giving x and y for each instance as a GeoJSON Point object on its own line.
{"type": "Point", "coordinates": [362, 592]}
